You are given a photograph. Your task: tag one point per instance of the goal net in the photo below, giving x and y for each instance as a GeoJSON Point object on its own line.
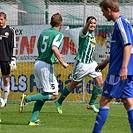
{"type": "Point", "coordinates": [30, 17]}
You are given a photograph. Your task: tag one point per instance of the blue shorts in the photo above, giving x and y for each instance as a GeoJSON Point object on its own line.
{"type": "Point", "coordinates": [114, 88]}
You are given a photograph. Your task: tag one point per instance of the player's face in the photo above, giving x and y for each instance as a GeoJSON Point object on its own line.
{"type": "Point", "coordinates": [92, 25]}
{"type": "Point", "coordinates": [60, 26]}
{"type": "Point", "coordinates": [2, 21]}
{"type": "Point", "coordinates": [106, 14]}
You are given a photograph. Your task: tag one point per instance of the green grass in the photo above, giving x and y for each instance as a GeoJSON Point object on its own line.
{"type": "Point", "coordinates": [75, 119]}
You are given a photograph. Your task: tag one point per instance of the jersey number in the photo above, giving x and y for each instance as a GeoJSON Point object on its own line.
{"type": "Point", "coordinates": [52, 86]}
{"type": "Point", "coordinates": [44, 44]}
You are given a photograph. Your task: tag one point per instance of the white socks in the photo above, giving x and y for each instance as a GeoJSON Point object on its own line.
{"type": "Point", "coordinates": [6, 90]}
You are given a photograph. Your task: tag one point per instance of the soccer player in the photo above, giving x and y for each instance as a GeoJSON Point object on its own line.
{"type": "Point", "coordinates": [84, 65]}
{"type": "Point", "coordinates": [48, 44]}
{"type": "Point", "coordinates": [7, 54]}
{"type": "Point", "coordinates": [119, 80]}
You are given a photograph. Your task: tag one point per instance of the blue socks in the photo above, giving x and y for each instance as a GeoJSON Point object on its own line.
{"type": "Point", "coordinates": [100, 119]}
{"type": "Point", "coordinates": [130, 118]}
{"type": "Point", "coordinates": [103, 115]}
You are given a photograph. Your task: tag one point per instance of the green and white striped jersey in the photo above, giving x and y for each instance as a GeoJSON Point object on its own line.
{"type": "Point", "coordinates": [47, 39]}
{"type": "Point", "coordinates": [86, 47]}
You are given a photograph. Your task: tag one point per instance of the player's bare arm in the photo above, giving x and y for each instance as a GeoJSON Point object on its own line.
{"type": "Point", "coordinates": [126, 57]}
{"type": "Point", "coordinates": [102, 65]}
{"type": "Point", "coordinates": [86, 27]}
{"type": "Point", "coordinates": [59, 57]}
{"type": "Point", "coordinates": [56, 60]}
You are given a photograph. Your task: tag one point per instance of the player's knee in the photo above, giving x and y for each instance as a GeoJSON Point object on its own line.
{"type": "Point", "coordinates": [5, 81]}
{"type": "Point", "coordinates": [99, 81]}
{"type": "Point", "coordinates": [72, 85]}
{"type": "Point", "coordinates": [54, 97]}
{"type": "Point", "coordinates": [100, 84]}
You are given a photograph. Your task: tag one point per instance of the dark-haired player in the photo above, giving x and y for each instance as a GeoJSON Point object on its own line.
{"type": "Point", "coordinates": [7, 54]}
{"type": "Point", "coordinates": [84, 65]}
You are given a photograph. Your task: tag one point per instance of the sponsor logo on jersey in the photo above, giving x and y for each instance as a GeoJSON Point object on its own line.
{"type": "Point", "coordinates": [93, 42]}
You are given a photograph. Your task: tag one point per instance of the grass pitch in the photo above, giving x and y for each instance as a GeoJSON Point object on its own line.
{"type": "Point", "coordinates": [75, 119]}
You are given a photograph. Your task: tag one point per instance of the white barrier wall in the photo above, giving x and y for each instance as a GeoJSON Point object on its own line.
{"type": "Point", "coordinates": [73, 13]}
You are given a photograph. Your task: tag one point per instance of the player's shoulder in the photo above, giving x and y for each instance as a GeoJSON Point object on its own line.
{"type": "Point", "coordinates": [10, 28]}
{"type": "Point", "coordinates": [51, 30]}
{"type": "Point", "coordinates": [81, 34]}
{"type": "Point", "coordinates": [55, 33]}
{"type": "Point", "coordinates": [122, 20]}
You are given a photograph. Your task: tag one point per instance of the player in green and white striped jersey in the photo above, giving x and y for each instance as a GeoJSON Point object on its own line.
{"type": "Point", "coordinates": [84, 65]}
{"type": "Point", "coordinates": [86, 48]}
{"type": "Point", "coordinates": [48, 44]}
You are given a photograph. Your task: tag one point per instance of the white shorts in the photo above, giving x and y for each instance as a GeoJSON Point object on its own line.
{"type": "Point", "coordinates": [82, 70]}
{"type": "Point", "coordinates": [45, 78]}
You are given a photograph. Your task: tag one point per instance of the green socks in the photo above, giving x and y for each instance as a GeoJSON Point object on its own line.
{"type": "Point", "coordinates": [95, 92]}
{"type": "Point", "coordinates": [64, 95]}
{"type": "Point", "coordinates": [42, 97]}
{"type": "Point", "coordinates": [36, 110]}
{"type": "Point", "coordinates": [40, 100]}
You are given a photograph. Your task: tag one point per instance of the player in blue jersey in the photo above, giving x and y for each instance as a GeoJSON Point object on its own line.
{"type": "Point", "coordinates": [48, 44]}
{"type": "Point", "coordinates": [119, 80]}
{"type": "Point", "coordinates": [84, 65]}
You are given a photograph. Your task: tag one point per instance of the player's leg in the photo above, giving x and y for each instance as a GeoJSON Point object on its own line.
{"type": "Point", "coordinates": [42, 74]}
{"type": "Point", "coordinates": [64, 94]}
{"type": "Point", "coordinates": [127, 99]}
{"type": "Point", "coordinates": [77, 76]}
{"type": "Point", "coordinates": [130, 117]}
{"type": "Point", "coordinates": [102, 114]}
{"type": "Point", "coordinates": [95, 92]}
{"type": "Point", "coordinates": [36, 97]}
{"type": "Point", "coordinates": [5, 87]}
{"type": "Point", "coordinates": [36, 110]}
{"type": "Point", "coordinates": [38, 84]}
{"type": "Point", "coordinates": [112, 88]}
{"type": "Point", "coordinates": [5, 69]}
{"type": "Point", "coordinates": [97, 76]}
{"type": "Point", "coordinates": [128, 104]}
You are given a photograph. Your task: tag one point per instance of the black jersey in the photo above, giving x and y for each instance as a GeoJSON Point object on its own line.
{"type": "Point", "coordinates": [7, 41]}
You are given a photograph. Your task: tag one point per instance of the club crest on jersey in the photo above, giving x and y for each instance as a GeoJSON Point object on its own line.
{"type": "Point", "coordinates": [7, 34]}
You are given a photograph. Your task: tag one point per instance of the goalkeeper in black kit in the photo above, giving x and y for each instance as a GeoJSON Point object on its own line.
{"type": "Point", "coordinates": [7, 54]}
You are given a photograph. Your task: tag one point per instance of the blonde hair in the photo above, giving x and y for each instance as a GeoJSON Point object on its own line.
{"type": "Point", "coordinates": [113, 5]}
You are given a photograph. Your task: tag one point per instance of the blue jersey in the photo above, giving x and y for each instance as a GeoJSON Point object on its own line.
{"type": "Point", "coordinates": [122, 35]}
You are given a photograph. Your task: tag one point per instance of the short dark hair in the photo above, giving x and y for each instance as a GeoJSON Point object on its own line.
{"type": "Point", "coordinates": [90, 17]}
{"type": "Point", "coordinates": [56, 20]}
{"type": "Point", "coordinates": [3, 14]}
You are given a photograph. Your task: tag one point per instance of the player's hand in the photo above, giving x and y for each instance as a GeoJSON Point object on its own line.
{"type": "Point", "coordinates": [89, 21]}
{"type": "Point", "coordinates": [100, 67]}
{"type": "Point", "coordinates": [13, 65]}
{"type": "Point", "coordinates": [123, 74]}
{"type": "Point", "coordinates": [65, 65]}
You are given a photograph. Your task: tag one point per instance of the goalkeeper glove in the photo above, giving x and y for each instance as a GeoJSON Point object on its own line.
{"type": "Point", "coordinates": [13, 64]}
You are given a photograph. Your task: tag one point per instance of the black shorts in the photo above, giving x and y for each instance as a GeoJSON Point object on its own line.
{"type": "Point", "coordinates": [5, 67]}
